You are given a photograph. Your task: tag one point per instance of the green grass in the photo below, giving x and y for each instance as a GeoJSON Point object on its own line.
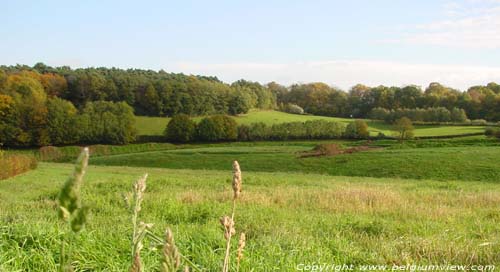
{"type": "Point", "coordinates": [289, 218]}
{"type": "Point", "coordinates": [435, 159]}
{"type": "Point", "coordinates": [156, 125]}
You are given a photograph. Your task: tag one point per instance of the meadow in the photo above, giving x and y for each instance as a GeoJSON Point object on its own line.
{"type": "Point", "coordinates": [156, 125]}
{"type": "Point", "coordinates": [417, 202]}
{"type": "Point", "coordinates": [289, 219]}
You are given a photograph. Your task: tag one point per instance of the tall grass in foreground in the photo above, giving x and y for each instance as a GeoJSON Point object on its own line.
{"type": "Point", "coordinates": [171, 258]}
{"type": "Point", "coordinates": [71, 210]}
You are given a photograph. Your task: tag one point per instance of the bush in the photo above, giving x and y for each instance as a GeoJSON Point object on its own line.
{"type": "Point", "coordinates": [258, 131]}
{"type": "Point", "coordinates": [379, 114]}
{"type": "Point", "coordinates": [180, 129]}
{"type": "Point", "coordinates": [434, 114]}
{"type": "Point", "coordinates": [479, 122]}
{"type": "Point", "coordinates": [492, 132]}
{"type": "Point", "coordinates": [217, 128]}
{"type": "Point", "coordinates": [317, 129]}
{"type": "Point", "coordinates": [357, 130]}
{"type": "Point", "coordinates": [294, 109]}
{"type": "Point", "coordinates": [15, 164]}
{"type": "Point", "coordinates": [243, 133]}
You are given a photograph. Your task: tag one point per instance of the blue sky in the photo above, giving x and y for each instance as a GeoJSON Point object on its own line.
{"type": "Point", "coordinates": [338, 42]}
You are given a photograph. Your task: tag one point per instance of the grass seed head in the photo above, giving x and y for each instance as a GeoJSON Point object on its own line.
{"type": "Point", "coordinates": [241, 246]}
{"type": "Point", "coordinates": [228, 225]}
{"type": "Point", "coordinates": [136, 265]}
{"type": "Point", "coordinates": [138, 192]}
{"type": "Point", "coordinates": [236, 179]}
{"type": "Point", "coordinates": [171, 258]}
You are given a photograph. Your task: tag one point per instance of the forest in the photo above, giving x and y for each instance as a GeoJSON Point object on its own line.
{"type": "Point", "coordinates": [43, 105]}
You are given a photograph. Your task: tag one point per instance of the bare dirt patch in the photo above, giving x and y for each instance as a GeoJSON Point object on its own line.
{"type": "Point", "coordinates": [334, 150]}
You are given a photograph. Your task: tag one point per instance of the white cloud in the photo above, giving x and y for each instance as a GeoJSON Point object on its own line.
{"type": "Point", "coordinates": [346, 73]}
{"type": "Point", "coordinates": [474, 24]}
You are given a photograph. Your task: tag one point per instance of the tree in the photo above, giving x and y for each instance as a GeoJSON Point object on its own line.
{"type": "Point", "coordinates": [107, 122]}
{"type": "Point", "coordinates": [240, 103]}
{"type": "Point", "coordinates": [8, 122]}
{"type": "Point", "coordinates": [217, 128]}
{"type": "Point", "coordinates": [62, 122]}
{"type": "Point", "coordinates": [180, 129]}
{"type": "Point", "coordinates": [30, 108]}
{"type": "Point", "coordinates": [458, 115]}
{"type": "Point", "coordinates": [403, 128]}
{"type": "Point", "coordinates": [357, 130]}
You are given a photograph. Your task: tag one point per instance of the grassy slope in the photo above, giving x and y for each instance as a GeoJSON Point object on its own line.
{"type": "Point", "coordinates": [440, 160]}
{"type": "Point", "coordinates": [156, 125]}
{"type": "Point", "coordinates": [288, 218]}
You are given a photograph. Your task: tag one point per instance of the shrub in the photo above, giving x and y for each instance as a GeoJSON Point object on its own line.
{"type": "Point", "coordinates": [379, 114]}
{"type": "Point", "coordinates": [317, 129]}
{"type": "Point", "coordinates": [217, 128]}
{"type": "Point", "coordinates": [243, 133]}
{"type": "Point", "coordinates": [180, 129]}
{"type": "Point", "coordinates": [15, 164]}
{"type": "Point", "coordinates": [294, 109]}
{"type": "Point", "coordinates": [434, 114]}
{"type": "Point", "coordinates": [357, 130]}
{"type": "Point", "coordinates": [479, 122]}
{"type": "Point", "coordinates": [258, 131]}
{"type": "Point", "coordinates": [492, 132]}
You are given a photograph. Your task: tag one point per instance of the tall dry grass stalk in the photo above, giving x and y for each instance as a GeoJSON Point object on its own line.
{"type": "Point", "coordinates": [134, 201]}
{"type": "Point", "coordinates": [228, 222]}
{"type": "Point", "coordinates": [171, 258]}
{"type": "Point", "coordinates": [241, 246]}
{"type": "Point", "coordinates": [70, 209]}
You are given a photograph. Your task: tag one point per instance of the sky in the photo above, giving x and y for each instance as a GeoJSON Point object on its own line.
{"type": "Point", "coordinates": [341, 43]}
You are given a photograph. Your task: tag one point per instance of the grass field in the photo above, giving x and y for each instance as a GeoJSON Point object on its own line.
{"type": "Point", "coordinates": [156, 125]}
{"type": "Point", "coordinates": [418, 202]}
{"type": "Point", "coordinates": [442, 163]}
{"type": "Point", "coordinates": [289, 218]}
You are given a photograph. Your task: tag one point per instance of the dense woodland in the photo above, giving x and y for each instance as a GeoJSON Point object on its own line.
{"type": "Point", "coordinates": [44, 105]}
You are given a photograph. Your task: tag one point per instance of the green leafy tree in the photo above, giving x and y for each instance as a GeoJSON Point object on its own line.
{"type": "Point", "coordinates": [217, 128]}
{"type": "Point", "coordinates": [62, 122]}
{"type": "Point", "coordinates": [403, 128]}
{"type": "Point", "coordinates": [180, 129]}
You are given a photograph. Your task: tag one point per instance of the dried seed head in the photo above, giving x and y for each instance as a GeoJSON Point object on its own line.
{"type": "Point", "coordinates": [236, 180]}
{"type": "Point", "coordinates": [228, 225]}
{"type": "Point", "coordinates": [171, 258]}
{"type": "Point", "coordinates": [138, 192]}
{"type": "Point", "coordinates": [241, 246]}
{"type": "Point", "coordinates": [136, 265]}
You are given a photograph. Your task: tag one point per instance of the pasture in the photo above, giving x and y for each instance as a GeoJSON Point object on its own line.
{"type": "Point", "coordinates": [156, 125]}
{"type": "Point", "coordinates": [289, 218]}
{"type": "Point", "coordinates": [419, 202]}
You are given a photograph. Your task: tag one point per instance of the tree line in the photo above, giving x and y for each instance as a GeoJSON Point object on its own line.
{"type": "Point", "coordinates": [31, 116]}
{"type": "Point", "coordinates": [217, 128]}
{"type": "Point", "coordinates": [478, 102]}
{"type": "Point", "coordinates": [158, 93]}
{"type": "Point", "coordinates": [43, 105]}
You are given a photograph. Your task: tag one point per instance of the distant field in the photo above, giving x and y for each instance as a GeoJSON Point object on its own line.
{"type": "Point", "coordinates": [430, 161]}
{"type": "Point", "coordinates": [289, 218]}
{"type": "Point", "coordinates": [156, 125]}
